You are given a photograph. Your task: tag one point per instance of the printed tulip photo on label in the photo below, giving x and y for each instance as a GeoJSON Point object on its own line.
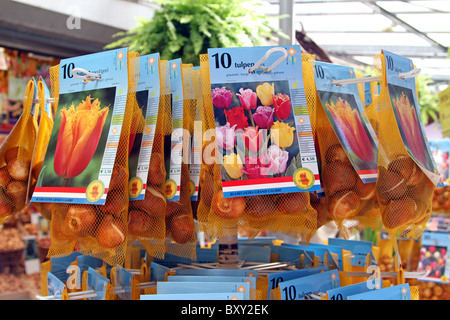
{"type": "Point", "coordinates": [408, 123]}
{"type": "Point", "coordinates": [351, 129]}
{"type": "Point", "coordinates": [78, 140]}
{"type": "Point", "coordinates": [263, 133]}
{"type": "Point", "coordinates": [255, 129]}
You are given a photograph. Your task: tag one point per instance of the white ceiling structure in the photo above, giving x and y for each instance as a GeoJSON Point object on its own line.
{"type": "Point", "coordinates": [354, 31]}
{"type": "Point", "coordinates": [350, 31]}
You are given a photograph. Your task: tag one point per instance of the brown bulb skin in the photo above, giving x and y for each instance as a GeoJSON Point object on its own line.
{"type": "Point", "coordinates": [338, 176]}
{"type": "Point", "coordinates": [5, 178]}
{"type": "Point", "coordinates": [80, 220]}
{"type": "Point", "coordinates": [336, 153]}
{"type": "Point", "coordinates": [154, 202]}
{"type": "Point", "coordinates": [17, 192]}
{"type": "Point", "coordinates": [320, 205]}
{"type": "Point", "coordinates": [110, 233]}
{"type": "Point", "coordinates": [6, 207]}
{"type": "Point", "coordinates": [13, 153]}
{"type": "Point", "coordinates": [156, 171]}
{"type": "Point", "coordinates": [343, 205]}
{"type": "Point", "coordinates": [19, 169]}
{"type": "Point", "coordinates": [119, 178]}
{"type": "Point", "coordinates": [182, 228]}
{"type": "Point", "coordinates": [115, 204]}
{"type": "Point", "coordinates": [228, 208]}
{"type": "Point", "coordinates": [292, 203]}
{"type": "Point", "coordinates": [366, 191]}
{"type": "Point", "coordinates": [139, 223]}
{"type": "Point", "coordinates": [390, 185]}
{"type": "Point", "coordinates": [206, 187]}
{"type": "Point", "coordinates": [260, 206]}
{"type": "Point", "coordinates": [173, 207]}
{"type": "Point", "coordinates": [399, 212]}
{"type": "Point", "coordinates": [408, 169]}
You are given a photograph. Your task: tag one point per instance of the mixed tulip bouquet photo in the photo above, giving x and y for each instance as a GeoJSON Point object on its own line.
{"type": "Point", "coordinates": [255, 130]}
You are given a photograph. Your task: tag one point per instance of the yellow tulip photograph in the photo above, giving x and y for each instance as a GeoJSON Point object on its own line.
{"type": "Point", "coordinates": [78, 139]}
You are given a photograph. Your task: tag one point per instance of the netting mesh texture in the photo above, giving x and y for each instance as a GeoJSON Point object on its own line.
{"type": "Point", "coordinates": [146, 218]}
{"type": "Point", "coordinates": [179, 217]}
{"type": "Point", "coordinates": [15, 160]}
{"type": "Point", "coordinates": [404, 192]}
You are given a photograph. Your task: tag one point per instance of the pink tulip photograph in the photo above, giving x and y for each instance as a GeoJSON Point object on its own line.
{"type": "Point", "coordinates": [408, 122]}
{"type": "Point", "coordinates": [352, 131]}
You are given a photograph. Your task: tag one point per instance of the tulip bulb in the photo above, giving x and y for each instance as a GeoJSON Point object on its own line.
{"type": "Point", "coordinates": [110, 232]}
{"type": "Point", "coordinates": [115, 204]}
{"type": "Point", "coordinates": [182, 228]}
{"type": "Point", "coordinates": [157, 171]}
{"type": "Point", "coordinates": [19, 169]}
{"type": "Point", "coordinates": [259, 206]}
{"type": "Point", "coordinates": [344, 205]}
{"type": "Point", "coordinates": [293, 203]}
{"type": "Point", "coordinates": [17, 192]}
{"type": "Point", "coordinates": [228, 208]}
{"type": "Point", "coordinates": [5, 206]}
{"type": "Point", "coordinates": [399, 213]}
{"type": "Point", "coordinates": [338, 176]}
{"type": "Point", "coordinates": [153, 204]}
{"type": "Point", "coordinates": [5, 178]}
{"type": "Point", "coordinates": [80, 220]}
{"type": "Point", "coordinates": [12, 154]}
{"type": "Point", "coordinates": [139, 223]}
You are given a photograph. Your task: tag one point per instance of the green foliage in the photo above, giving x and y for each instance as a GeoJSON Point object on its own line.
{"type": "Point", "coordinates": [186, 28]}
{"type": "Point", "coordinates": [428, 100]}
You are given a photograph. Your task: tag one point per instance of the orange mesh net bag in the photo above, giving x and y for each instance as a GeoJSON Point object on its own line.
{"type": "Point", "coordinates": [219, 216]}
{"type": "Point", "coordinates": [195, 101]}
{"type": "Point", "coordinates": [348, 152]}
{"type": "Point", "coordinates": [369, 93]}
{"type": "Point", "coordinates": [146, 217]}
{"type": "Point", "coordinates": [180, 226]}
{"type": "Point", "coordinates": [15, 159]}
{"type": "Point", "coordinates": [42, 139]}
{"type": "Point", "coordinates": [98, 230]}
{"type": "Point", "coordinates": [407, 176]}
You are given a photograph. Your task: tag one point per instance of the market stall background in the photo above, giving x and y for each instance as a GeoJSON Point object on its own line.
{"type": "Point", "coordinates": [35, 35]}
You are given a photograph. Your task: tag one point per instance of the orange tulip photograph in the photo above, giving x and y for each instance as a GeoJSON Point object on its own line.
{"type": "Point", "coordinates": [78, 139]}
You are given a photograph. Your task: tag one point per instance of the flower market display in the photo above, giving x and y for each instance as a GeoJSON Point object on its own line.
{"type": "Point", "coordinates": [162, 180]}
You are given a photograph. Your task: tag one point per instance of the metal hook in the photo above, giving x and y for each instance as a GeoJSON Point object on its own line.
{"type": "Point", "coordinates": [342, 82]}
{"type": "Point", "coordinates": [410, 74]}
{"type": "Point", "coordinates": [266, 55]}
{"type": "Point", "coordinates": [89, 76]}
